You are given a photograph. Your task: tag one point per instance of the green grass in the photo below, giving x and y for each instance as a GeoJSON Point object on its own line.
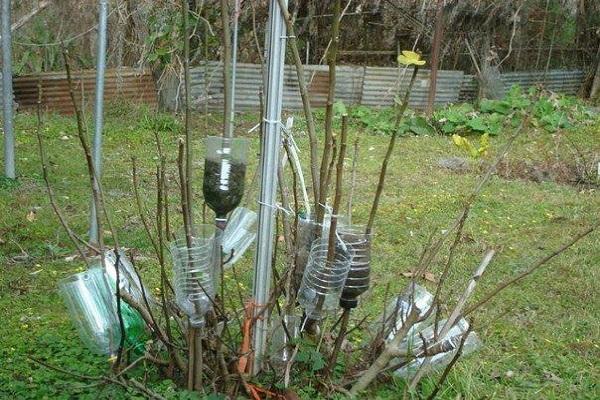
{"type": "Point", "coordinates": [544, 331]}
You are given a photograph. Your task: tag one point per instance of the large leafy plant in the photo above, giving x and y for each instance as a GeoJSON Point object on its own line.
{"type": "Point", "coordinates": [550, 112]}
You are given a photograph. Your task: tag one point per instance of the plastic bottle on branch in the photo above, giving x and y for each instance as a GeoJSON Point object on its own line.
{"type": "Point", "coordinates": [357, 282]}
{"type": "Point", "coordinates": [224, 173]}
{"type": "Point", "coordinates": [92, 310]}
{"type": "Point", "coordinates": [323, 280]}
{"type": "Point", "coordinates": [193, 272]}
{"type": "Point", "coordinates": [445, 348]}
{"type": "Point", "coordinates": [239, 234]}
{"type": "Point", "coordinates": [284, 332]}
{"type": "Point", "coordinates": [397, 310]}
{"type": "Point", "coordinates": [129, 281]}
{"type": "Point", "coordinates": [307, 230]}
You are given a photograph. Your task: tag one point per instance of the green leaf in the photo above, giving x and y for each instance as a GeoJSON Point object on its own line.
{"type": "Point", "coordinates": [339, 108]}
{"type": "Point", "coordinates": [495, 106]}
{"type": "Point", "coordinates": [448, 127]}
{"type": "Point", "coordinates": [420, 126]}
{"type": "Point", "coordinates": [318, 362]}
{"type": "Point", "coordinates": [477, 124]}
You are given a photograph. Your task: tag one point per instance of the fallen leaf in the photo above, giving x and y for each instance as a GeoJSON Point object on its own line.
{"type": "Point", "coordinates": [31, 216]}
{"type": "Point", "coordinates": [291, 395]}
{"type": "Point", "coordinates": [429, 277]}
{"type": "Point", "coordinates": [550, 376]}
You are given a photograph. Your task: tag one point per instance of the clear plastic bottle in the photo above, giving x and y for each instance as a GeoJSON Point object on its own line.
{"type": "Point", "coordinates": [193, 268]}
{"type": "Point", "coordinates": [323, 280]}
{"type": "Point", "coordinates": [89, 300]}
{"type": "Point", "coordinates": [449, 345]}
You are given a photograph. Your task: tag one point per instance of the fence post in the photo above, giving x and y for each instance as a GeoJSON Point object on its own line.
{"type": "Point", "coordinates": [99, 108]}
{"type": "Point", "coordinates": [269, 154]}
{"type": "Point", "coordinates": [7, 92]}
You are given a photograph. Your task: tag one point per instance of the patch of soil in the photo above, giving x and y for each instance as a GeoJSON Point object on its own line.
{"type": "Point", "coordinates": [562, 172]}
{"type": "Point", "coordinates": [223, 185]}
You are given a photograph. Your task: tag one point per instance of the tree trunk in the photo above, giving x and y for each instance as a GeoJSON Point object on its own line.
{"type": "Point", "coordinates": [435, 55]}
{"type": "Point", "coordinates": [595, 91]}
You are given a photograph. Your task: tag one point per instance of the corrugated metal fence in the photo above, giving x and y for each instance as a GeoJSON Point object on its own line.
{"type": "Point", "coordinates": [354, 85]}
{"type": "Point", "coordinates": [127, 84]}
{"type": "Point", "coordinates": [381, 85]}
{"type": "Point", "coordinates": [370, 86]}
{"type": "Point", "coordinates": [558, 80]}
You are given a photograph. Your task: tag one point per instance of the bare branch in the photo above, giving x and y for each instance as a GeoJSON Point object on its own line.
{"type": "Point", "coordinates": [541, 262]}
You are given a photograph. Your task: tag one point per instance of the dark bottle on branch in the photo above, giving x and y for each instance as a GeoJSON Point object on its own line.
{"type": "Point", "coordinates": [224, 173]}
{"type": "Point", "coordinates": [358, 279]}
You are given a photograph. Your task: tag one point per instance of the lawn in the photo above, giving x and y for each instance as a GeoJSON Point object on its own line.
{"type": "Point", "coordinates": [540, 337]}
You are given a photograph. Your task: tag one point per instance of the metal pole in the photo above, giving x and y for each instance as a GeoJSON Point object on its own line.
{"type": "Point", "coordinates": [236, 16]}
{"type": "Point", "coordinates": [99, 107]}
{"type": "Point", "coordinates": [7, 93]}
{"type": "Point", "coordinates": [275, 45]}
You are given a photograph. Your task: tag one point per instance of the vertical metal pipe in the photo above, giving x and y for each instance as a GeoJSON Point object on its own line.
{"type": "Point", "coordinates": [7, 93]}
{"type": "Point", "coordinates": [236, 17]}
{"type": "Point", "coordinates": [275, 48]}
{"type": "Point", "coordinates": [99, 107]}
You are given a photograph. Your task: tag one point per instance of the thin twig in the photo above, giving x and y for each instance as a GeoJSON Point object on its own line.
{"type": "Point", "coordinates": [328, 142]}
{"type": "Point", "coordinates": [141, 208]}
{"type": "Point", "coordinates": [304, 95]}
{"type": "Point", "coordinates": [449, 367]}
{"type": "Point", "coordinates": [63, 221]}
{"type": "Point", "coordinates": [227, 83]}
{"type": "Point", "coordinates": [187, 131]}
{"type": "Point", "coordinates": [399, 115]}
{"type": "Point", "coordinates": [542, 261]}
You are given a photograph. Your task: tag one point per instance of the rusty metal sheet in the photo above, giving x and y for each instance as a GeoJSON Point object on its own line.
{"type": "Point", "coordinates": [124, 84]}
{"type": "Point", "coordinates": [354, 85]}
{"type": "Point", "coordinates": [207, 86]}
{"type": "Point", "coordinates": [371, 86]}
{"type": "Point", "coordinates": [381, 85]}
{"type": "Point", "coordinates": [561, 81]}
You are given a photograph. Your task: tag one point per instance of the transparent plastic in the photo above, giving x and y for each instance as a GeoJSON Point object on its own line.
{"type": "Point", "coordinates": [308, 229]}
{"type": "Point", "coordinates": [285, 331]}
{"type": "Point", "coordinates": [128, 278]}
{"type": "Point", "coordinates": [91, 308]}
{"type": "Point", "coordinates": [358, 280]}
{"type": "Point", "coordinates": [129, 282]}
{"type": "Point", "coordinates": [449, 344]}
{"type": "Point", "coordinates": [224, 173]}
{"type": "Point", "coordinates": [323, 280]}
{"type": "Point", "coordinates": [397, 310]}
{"type": "Point", "coordinates": [239, 234]}
{"type": "Point", "coordinates": [193, 268]}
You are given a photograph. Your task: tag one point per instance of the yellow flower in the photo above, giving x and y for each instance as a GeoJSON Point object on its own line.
{"type": "Point", "coordinates": [410, 58]}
